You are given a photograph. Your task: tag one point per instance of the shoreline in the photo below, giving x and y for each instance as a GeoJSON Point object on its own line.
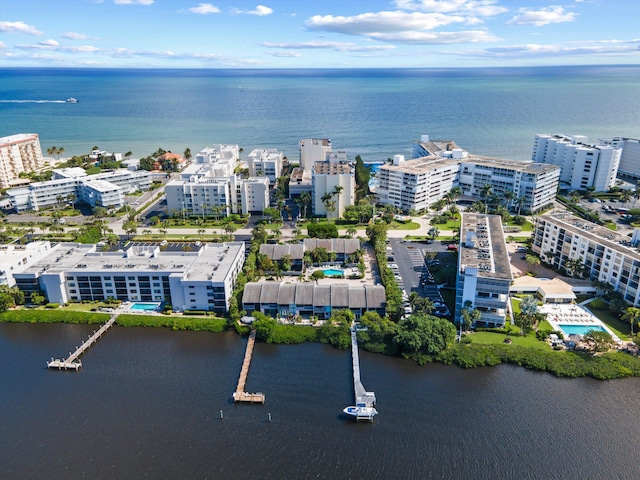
{"type": "Point", "coordinates": [610, 365]}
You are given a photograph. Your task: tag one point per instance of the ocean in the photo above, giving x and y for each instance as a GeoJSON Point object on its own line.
{"type": "Point", "coordinates": [373, 113]}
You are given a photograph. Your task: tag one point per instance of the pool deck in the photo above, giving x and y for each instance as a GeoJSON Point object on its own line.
{"type": "Point", "coordinates": [571, 314]}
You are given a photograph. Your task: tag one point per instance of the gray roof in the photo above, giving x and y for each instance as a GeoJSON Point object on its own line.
{"type": "Point", "coordinates": [340, 296]}
{"type": "Point", "coordinates": [338, 245]}
{"type": "Point", "coordinates": [251, 293]}
{"type": "Point", "coordinates": [304, 294]}
{"type": "Point", "coordinates": [286, 294]}
{"type": "Point", "coordinates": [376, 296]}
{"type": "Point", "coordinates": [322, 295]}
{"type": "Point", "coordinates": [357, 298]}
{"type": "Point", "coordinates": [269, 293]}
{"type": "Point", "coordinates": [276, 251]}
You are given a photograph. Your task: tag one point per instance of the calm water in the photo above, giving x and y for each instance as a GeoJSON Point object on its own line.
{"type": "Point", "coordinates": [375, 113]}
{"type": "Point", "coordinates": [146, 405]}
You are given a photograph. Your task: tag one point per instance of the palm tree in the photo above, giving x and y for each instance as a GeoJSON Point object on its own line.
{"type": "Point", "coordinates": [337, 190]}
{"type": "Point", "coordinates": [509, 196]}
{"type": "Point", "coordinates": [276, 233]}
{"type": "Point", "coordinates": [433, 233]}
{"type": "Point", "coordinates": [485, 192]}
{"type": "Point", "coordinates": [520, 201]}
{"type": "Point", "coordinates": [305, 197]}
{"type": "Point", "coordinates": [352, 231]}
{"type": "Point", "coordinates": [326, 198]}
{"type": "Point", "coordinates": [532, 261]}
{"type": "Point", "coordinates": [626, 195]}
{"type": "Point", "coordinates": [632, 315]}
{"type": "Point", "coordinates": [201, 232]}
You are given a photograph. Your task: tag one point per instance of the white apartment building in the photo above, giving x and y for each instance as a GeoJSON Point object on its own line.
{"type": "Point", "coordinates": [202, 279]}
{"type": "Point", "coordinates": [19, 153]}
{"type": "Point", "coordinates": [630, 156]}
{"type": "Point", "coordinates": [104, 189]}
{"type": "Point", "coordinates": [208, 195]}
{"type": "Point", "coordinates": [314, 150]}
{"type": "Point", "coordinates": [606, 255]}
{"type": "Point", "coordinates": [218, 152]}
{"type": "Point", "coordinates": [325, 177]}
{"type": "Point", "coordinates": [419, 183]}
{"type": "Point", "coordinates": [266, 163]}
{"type": "Point", "coordinates": [582, 164]}
{"type": "Point", "coordinates": [15, 258]}
{"type": "Point", "coordinates": [484, 270]}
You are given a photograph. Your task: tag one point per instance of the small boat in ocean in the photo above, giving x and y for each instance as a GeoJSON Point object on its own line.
{"type": "Point", "coordinates": [72, 100]}
{"type": "Point", "coordinates": [361, 412]}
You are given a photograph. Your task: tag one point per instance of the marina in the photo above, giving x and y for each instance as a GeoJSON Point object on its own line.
{"type": "Point", "coordinates": [364, 409]}
{"type": "Point", "coordinates": [72, 362]}
{"type": "Point", "coordinates": [240, 395]}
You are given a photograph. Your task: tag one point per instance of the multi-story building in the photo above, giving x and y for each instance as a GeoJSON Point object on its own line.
{"type": "Point", "coordinates": [630, 156]}
{"type": "Point", "coordinates": [419, 183]}
{"type": "Point", "coordinates": [484, 270]}
{"type": "Point", "coordinates": [15, 258]}
{"type": "Point", "coordinates": [220, 196]}
{"type": "Point", "coordinates": [266, 163]}
{"type": "Point", "coordinates": [194, 280]}
{"type": "Point", "coordinates": [300, 182]}
{"type": "Point", "coordinates": [306, 299]}
{"type": "Point", "coordinates": [314, 150]}
{"type": "Point", "coordinates": [19, 153]}
{"type": "Point", "coordinates": [325, 177]}
{"type": "Point", "coordinates": [583, 165]}
{"type": "Point", "coordinates": [589, 250]}
{"type": "Point", "coordinates": [104, 189]}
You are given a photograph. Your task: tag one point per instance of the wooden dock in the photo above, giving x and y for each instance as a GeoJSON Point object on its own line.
{"type": "Point", "coordinates": [361, 394]}
{"type": "Point", "coordinates": [72, 362]}
{"type": "Point", "coordinates": [240, 395]}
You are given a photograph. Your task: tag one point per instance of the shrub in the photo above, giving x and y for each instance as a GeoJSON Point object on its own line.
{"type": "Point", "coordinates": [322, 230]}
{"type": "Point", "coordinates": [52, 305]}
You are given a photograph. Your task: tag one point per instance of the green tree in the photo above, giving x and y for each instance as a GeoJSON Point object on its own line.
{"type": "Point", "coordinates": [337, 191]}
{"type": "Point", "coordinates": [352, 231]}
{"type": "Point", "coordinates": [532, 261]}
{"type": "Point", "coordinates": [632, 316]}
{"type": "Point", "coordinates": [598, 341]}
{"type": "Point", "coordinates": [37, 298]}
{"type": "Point", "coordinates": [485, 192]}
{"type": "Point", "coordinates": [421, 334]}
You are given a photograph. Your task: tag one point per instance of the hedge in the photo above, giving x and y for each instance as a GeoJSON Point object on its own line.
{"type": "Point", "coordinates": [52, 316]}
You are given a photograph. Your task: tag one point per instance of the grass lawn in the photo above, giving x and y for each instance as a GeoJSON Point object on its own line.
{"type": "Point", "coordinates": [175, 237]}
{"type": "Point", "coordinates": [403, 226]}
{"type": "Point", "coordinates": [544, 325]}
{"type": "Point", "coordinates": [488, 338]}
{"type": "Point", "coordinates": [450, 225]}
{"type": "Point", "coordinates": [601, 310]}
{"type": "Point", "coordinates": [526, 227]}
{"type": "Point", "coordinates": [515, 306]}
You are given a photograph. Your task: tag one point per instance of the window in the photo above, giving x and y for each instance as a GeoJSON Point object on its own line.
{"type": "Point", "coordinates": [131, 278]}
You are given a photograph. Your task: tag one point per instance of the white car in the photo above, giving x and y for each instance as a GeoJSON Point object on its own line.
{"type": "Point", "coordinates": [393, 266]}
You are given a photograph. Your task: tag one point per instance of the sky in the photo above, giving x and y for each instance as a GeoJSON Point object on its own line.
{"type": "Point", "coordinates": [317, 33]}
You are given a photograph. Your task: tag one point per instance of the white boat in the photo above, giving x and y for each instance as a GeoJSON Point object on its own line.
{"type": "Point", "coordinates": [72, 100]}
{"type": "Point", "coordinates": [361, 412]}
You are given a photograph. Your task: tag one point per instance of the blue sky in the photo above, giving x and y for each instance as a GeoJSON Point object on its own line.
{"type": "Point", "coordinates": [317, 34]}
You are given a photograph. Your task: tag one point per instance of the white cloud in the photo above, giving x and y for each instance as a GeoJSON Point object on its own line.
{"type": "Point", "coordinates": [285, 54]}
{"type": "Point", "coordinates": [49, 43]}
{"type": "Point", "coordinates": [544, 16]}
{"type": "Point", "coordinates": [590, 48]}
{"type": "Point", "coordinates": [133, 2]}
{"type": "Point", "coordinates": [381, 22]}
{"type": "Point", "coordinates": [483, 8]}
{"type": "Point", "coordinates": [337, 46]}
{"type": "Point", "coordinates": [74, 36]}
{"type": "Point", "coordinates": [437, 38]}
{"type": "Point", "coordinates": [204, 9]}
{"type": "Point", "coordinates": [19, 27]}
{"type": "Point", "coordinates": [260, 10]}
{"type": "Point", "coordinates": [2, 45]}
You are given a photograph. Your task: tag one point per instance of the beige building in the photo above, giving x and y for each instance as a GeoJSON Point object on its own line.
{"type": "Point", "coordinates": [19, 153]}
{"type": "Point", "coordinates": [314, 150]}
{"type": "Point", "coordinates": [325, 177]}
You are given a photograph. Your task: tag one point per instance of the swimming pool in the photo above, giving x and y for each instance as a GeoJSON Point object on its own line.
{"type": "Point", "coordinates": [144, 307]}
{"type": "Point", "coordinates": [333, 272]}
{"type": "Point", "coordinates": [580, 329]}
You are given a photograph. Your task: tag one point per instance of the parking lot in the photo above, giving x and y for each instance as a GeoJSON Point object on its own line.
{"type": "Point", "coordinates": [407, 260]}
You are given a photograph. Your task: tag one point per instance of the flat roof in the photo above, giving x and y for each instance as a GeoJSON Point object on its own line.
{"type": "Point", "coordinates": [482, 246]}
{"type": "Point", "coordinates": [332, 168]}
{"type": "Point", "coordinates": [433, 162]}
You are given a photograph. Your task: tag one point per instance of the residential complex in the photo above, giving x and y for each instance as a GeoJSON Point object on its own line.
{"type": "Point", "coordinates": [195, 280]}
{"type": "Point", "coordinates": [19, 153]}
{"type": "Point", "coordinates": [325, 177]}
{"type": "Point", "coordinates": [630, 157]}
{"type": "Point", "coordinates": [603, 254]}
{"type": "Point", "coordinates": [341, 247]}
{"type": "Point", "coordinates": [484, 270]}
{"type": "Point", "coordinates": [15, 258]}
{"type": "Point", "coordinates": [104, 189]}
{"type": "Point", "coordinates": [583, 165]}
{"type": "Point", "coordinates": [314, 150]}
{"type": "Point", "coordinates": [266, 163]}
{"type": "Point", "coordinates": [417, 184]}
{"type": "Point", "coordinates": [288, 299]}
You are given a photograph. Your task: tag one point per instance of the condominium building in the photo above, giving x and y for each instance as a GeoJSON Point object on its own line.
{"type": "Point", "coordinates": [564, 241]}
{"type": "Point", "coordinates": [417, 184]}
{"type": "Point", "coordinates": [15, 258]}
{"type": "Point", "coordinates": [19, 153]}
{"type": "Point", "coordinates": [266, 163]}
{"type": "Point", "coordinates": [484, 270]}
{"type": "Point", "coordinates": [104, 189]}
{"type": "Point", "coordinates": [630, 156]}
{"type": "Point", "coordinates": [300, 182]}
{"type": "Point", "coordinates": [306, 299]}
{"type": "Point", "coordinates": [583, 165]}
{"type": "Point", "coordinates": [325, 177]}
{"type": "Point", "coordinates": [314, 150]}
{"type": "Point", "coordinates": [202, 279]}
{"type": "Point", "coordinates": [209, 195]}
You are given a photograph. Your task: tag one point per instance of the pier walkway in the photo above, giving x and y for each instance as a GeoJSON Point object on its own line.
{"type": "Point", "coordinates": [362, 396]}
{"type": "Point", "coordinates": [72, 362]}
{"type": "Point", "coordinates": [240, 395]}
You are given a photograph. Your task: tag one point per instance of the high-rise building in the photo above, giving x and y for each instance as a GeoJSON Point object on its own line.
{"type": "Point", "coordinates": [583, 165]}
{"type": "Point", "coordinates": [19, 153]}
{"type": "Point", "coordinates": [630, 157]}
{"type": "Point", "coordinates": [266, 163]}
{"type": "Point", "coordinates": [314, 150]}
{"type": "Point", "coordinates": [333, 187]}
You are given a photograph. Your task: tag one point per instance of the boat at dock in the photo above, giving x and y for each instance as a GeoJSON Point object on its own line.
{"type": "Point", "coordinates": [364, 408]}
{"type": "Point", "coordinates": [361, 412]}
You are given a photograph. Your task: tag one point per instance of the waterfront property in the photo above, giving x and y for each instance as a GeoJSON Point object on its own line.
{"type": "Point", "coordinates": [417, 184]}
{"type": "Point", "coordinates": [364, 409]}
{"type": "Point", "coordinates": [308, 299]}
{"type": "Point", "coordinates": [240, 395]}
{"type": "Point", "coordinates": [341, 247]}
{"type": "Point", "coordinates": [582, 164]}
{"type": "Point", "coordinates": [15, 258]}
{"type": "Point", "coordinates": [19, 153]}
{"type": "Point", "coordinates": [266, 163]}
{"type": "Point", "coordinates": [574, 320]}
{"type": "Point", "coordinates": [202, 279]}
{"type": "Point", "coordinates": [484, 270]}
{"type": "Point", "coordinates": [630, 157]}
{"type": "Point", "coordinates": [585, 249]}
{"type": "Point", "coordinates": [326, 176]}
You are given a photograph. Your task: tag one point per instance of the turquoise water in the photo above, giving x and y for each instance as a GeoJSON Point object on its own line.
{"type": "Point", "coordinates": [374, 113]}
{"type": "Point", "coordinates": [333, 272]}
{"type": "Point", "coordinates": [147, 307]}
{"type": "Point", "coordinates": [580, 329]}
